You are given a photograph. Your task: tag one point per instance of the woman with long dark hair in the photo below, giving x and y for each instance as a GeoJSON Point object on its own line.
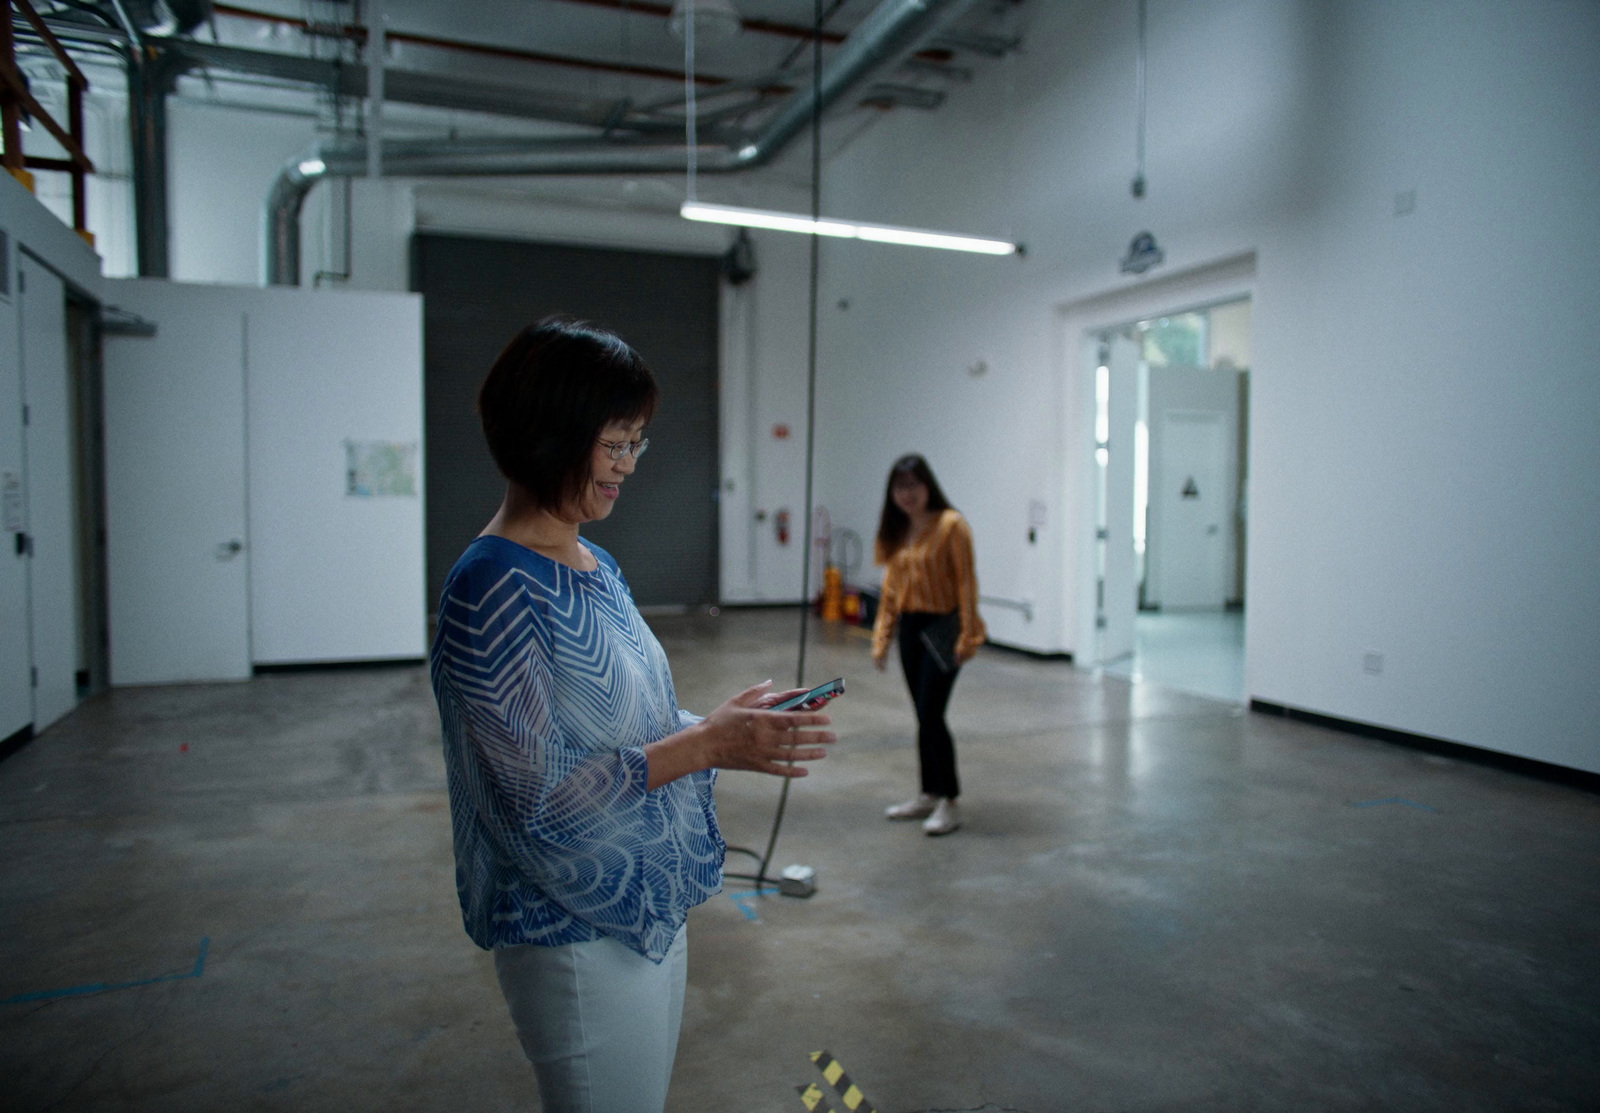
{"type": "Point", "coordinates": [930, 592]}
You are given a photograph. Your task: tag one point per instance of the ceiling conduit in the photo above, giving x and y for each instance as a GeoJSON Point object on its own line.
{"type": "Point", "coordinates": [894, 29]}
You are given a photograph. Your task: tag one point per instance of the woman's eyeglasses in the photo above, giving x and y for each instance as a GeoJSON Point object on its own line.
{"type": "Point", "coordinates": [618, 449]}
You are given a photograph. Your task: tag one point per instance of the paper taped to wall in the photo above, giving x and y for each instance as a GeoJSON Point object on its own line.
{"type": "Point", "coordinates": [375, 469]}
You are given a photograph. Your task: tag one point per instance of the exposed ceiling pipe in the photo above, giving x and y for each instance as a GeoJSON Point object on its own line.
{"type": "Point", "coordinates": [626, 7]}
{"type": "Point", "coordinates": [759, 26]}
{"type": "Point", "coordinates": [895, 28]}
{"type": "Point", "coordinates": [358, 34]}
{"type": "Point", "coordinates": [433, 90]}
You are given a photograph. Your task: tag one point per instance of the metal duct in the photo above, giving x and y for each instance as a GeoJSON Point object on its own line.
{"type": "Point", "coordinates": [895, 28]}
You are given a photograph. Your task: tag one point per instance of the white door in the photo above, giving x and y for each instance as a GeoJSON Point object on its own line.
{"type": "Point", "coordinates": [1194, 512]}
{"type": "Point", "coordinates": [334, 576]}
{"type": "Point", "coordinates": [16, 691]}
{"type": "Point", "coordinates": [1120, 604]}
{"type": "Point", "coordinates": [54, 620]}
{"type": "Point", "coordinates": [175, 487]}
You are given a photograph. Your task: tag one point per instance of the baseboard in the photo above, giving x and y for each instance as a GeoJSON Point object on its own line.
{"type": "Point", "coordinates": [328, 666]}
{"type": "Point", "coordinates": [1036, 654]}
{"type": "Point", "coordinates": [16, 741]}
{"type": "Point", "coordinates": [1444, 747]}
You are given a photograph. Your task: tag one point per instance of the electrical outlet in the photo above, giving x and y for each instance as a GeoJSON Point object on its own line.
{"type": "Point", "coordinates": [1372, 663]}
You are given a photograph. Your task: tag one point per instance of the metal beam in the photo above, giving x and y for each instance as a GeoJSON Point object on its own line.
{"type": "Point", "coordinates": [149, 82]}
{"type": "Point", "coordinates": [350, 79]}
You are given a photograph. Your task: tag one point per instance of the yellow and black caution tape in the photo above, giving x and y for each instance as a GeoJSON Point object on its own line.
{"type": "Point", "coordinates": [850, 1095]}
{"type": "Point", "coordinates": [812, 1097]}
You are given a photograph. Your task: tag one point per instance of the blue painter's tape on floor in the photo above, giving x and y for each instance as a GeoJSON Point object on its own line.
{"type": "Point", "coordinates": [104, 987]}
{"type": "Point", "coordinates": [749, 912]}
{"type": "Point", "coordinates": [1392, 800]}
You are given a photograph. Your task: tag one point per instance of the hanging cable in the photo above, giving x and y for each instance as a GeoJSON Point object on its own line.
{"type": "Point", "coordinates": [760, 876]}
{"type": "Point", "coordinates": [811, 391]}
{"type": "Point", "coordinates": [690, 124]}
{"type": "Point", "coordinates": [1138, 175]}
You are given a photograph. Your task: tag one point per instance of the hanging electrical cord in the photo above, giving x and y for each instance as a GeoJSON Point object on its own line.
{"type": "Point", "coordinates": [760, 877]}
{"type": "Point", "coordinates": [690, 123]}
{"type": "Point", "coordinates": [1138, 175]}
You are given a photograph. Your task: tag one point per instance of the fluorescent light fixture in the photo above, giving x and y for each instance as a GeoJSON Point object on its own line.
{"type": "Point", "coordinates": [311, 167]}
{"type": "Point", "coordinates": [912, 237]}
{"type": "Point", "coordinates": [766, 218]}
{"type": "Point", "coordinates": [876, 233]}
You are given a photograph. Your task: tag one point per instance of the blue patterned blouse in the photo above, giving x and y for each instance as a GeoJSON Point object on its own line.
{"type": "Point", "coordinates": [549, 686]}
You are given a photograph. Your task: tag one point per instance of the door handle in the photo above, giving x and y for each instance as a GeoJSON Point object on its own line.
{"type": "Point", "coordinates": [227, 550]}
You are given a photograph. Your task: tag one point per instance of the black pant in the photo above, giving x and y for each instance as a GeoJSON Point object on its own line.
{"type": "Point", "coordinates": [930, 692]}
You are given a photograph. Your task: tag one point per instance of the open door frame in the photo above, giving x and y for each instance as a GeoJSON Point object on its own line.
{"type": "Point", "coordinates": [1081, 323]}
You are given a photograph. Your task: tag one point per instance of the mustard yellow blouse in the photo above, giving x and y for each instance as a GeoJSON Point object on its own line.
{"type": "Point", "coordinates": [934, 572]}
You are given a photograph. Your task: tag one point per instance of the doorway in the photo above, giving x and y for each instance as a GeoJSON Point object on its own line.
{"type": "Point", "coordinates": [1172, 435]}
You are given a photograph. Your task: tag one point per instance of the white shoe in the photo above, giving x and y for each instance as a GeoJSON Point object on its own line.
{"type": "Point", "coordinates": [946, 817]}
{"type": "Point", "coordinates": [915, 808]}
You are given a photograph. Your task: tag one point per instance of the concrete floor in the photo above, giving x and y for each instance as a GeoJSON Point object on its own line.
{"type": "Point", "coordinates": [1159, 902]}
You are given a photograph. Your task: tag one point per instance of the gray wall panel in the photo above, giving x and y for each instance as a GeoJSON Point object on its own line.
{"type": "Point", "coordinates": [477, 294]}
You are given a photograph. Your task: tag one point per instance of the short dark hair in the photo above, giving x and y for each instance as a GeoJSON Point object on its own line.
{"type": "Point", "coordinates": [548, 396]}
{"type": "Point", "coordinates": [893, 523]}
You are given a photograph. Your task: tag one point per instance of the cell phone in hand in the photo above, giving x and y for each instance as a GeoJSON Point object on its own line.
{"type": "Point", "coordinates": [815, 698]}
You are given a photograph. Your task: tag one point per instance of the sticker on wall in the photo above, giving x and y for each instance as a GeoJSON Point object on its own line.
{"type": "Point", "coordinates": [375, 469]}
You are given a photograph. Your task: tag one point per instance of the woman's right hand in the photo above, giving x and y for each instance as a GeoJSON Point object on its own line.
{"type": "Point", "coordinates": [744, 734]}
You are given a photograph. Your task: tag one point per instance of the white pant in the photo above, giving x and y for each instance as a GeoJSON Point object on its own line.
{"type": "Point", "coordinates": [598, 1021]}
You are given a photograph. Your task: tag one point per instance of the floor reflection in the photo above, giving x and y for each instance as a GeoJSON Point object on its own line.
{"type": "Point", "coordinates": [1196, 651]}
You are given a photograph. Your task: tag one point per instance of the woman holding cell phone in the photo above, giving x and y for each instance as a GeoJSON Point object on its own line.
{"type": "Point", "coordinates": [930, 593]}
{"type": "Point", "coordinates": [580, 793]}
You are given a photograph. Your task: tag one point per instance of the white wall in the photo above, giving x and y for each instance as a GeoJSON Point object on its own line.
{"type": "Point", "coordinates": [1425, 474]}
{"type": "Point", "coordinates": [1424, 462]}
{"type": "Point", "coordinates": [765, 360]}
{"type": "Point", "coordinates": [220, 164]}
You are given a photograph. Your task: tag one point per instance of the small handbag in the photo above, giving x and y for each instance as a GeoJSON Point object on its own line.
{"type": "Point", "coordinates": [939, 638]}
